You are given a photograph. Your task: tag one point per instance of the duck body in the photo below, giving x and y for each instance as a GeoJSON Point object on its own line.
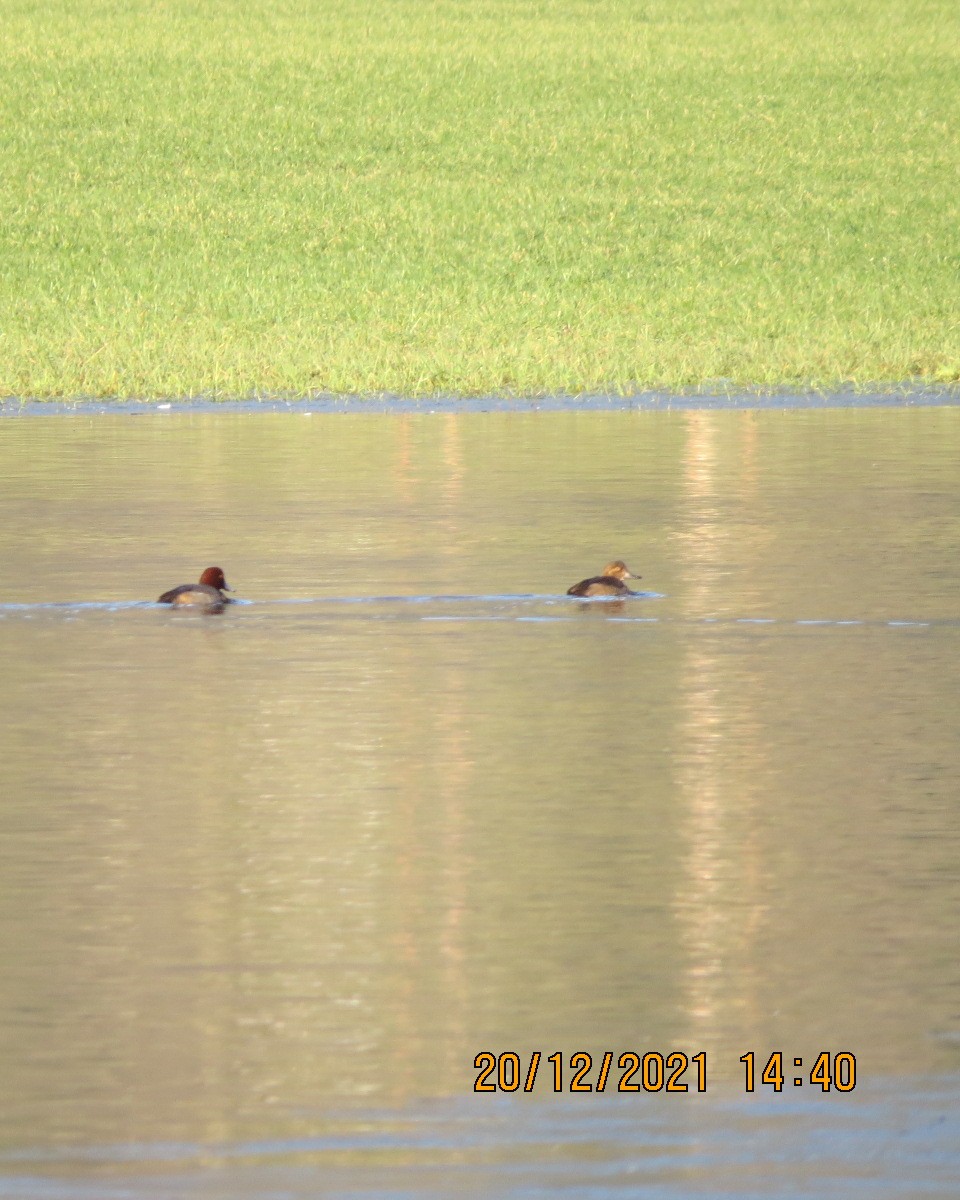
{"type": "Point", "coordinates": [207, 594]}
{"type": "Point", "coordinates": [609, 583]}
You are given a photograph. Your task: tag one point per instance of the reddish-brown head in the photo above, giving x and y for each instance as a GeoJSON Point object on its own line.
{"type": "Point", "coordinates": [619, 570]}
{"type": "Point", "coordinates": [213, 577]}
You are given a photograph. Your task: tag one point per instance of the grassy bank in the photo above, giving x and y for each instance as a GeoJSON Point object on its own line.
{"type": "Point", "coordinates": [292, 195]}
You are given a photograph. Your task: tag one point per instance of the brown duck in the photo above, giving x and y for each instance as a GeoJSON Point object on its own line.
{"type": "Point", "coordinates": [207, 594]}
{"type": "Point", "coordinates": [609, 583]}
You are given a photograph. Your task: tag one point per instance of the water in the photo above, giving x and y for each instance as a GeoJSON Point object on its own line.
{"type": "Point", "coordinates": [270, 880]}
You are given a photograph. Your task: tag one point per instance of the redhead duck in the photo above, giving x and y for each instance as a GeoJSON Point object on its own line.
{"type": "Point", "coordinates": [609, 583]}
{"type": "Point", "coordinates": [208, 593]}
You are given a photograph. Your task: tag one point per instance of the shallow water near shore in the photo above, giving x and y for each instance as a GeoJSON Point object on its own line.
{"type": "Point", "coordinates": [716, 399]}
{"type": "Point", "coordinates": [271, 879]}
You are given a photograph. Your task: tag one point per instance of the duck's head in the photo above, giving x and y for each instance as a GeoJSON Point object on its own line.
{"type": "Point", "coordinates": [213, 577]}
{"type": "Point", "coordinates": [618, 569]}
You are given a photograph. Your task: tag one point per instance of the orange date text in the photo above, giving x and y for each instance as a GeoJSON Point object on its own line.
{"type": "Point", "coordinates": [631, 1071]}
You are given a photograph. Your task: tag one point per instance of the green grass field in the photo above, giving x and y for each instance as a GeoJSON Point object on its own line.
{"type": "Point", "coordinates": [238, 196]}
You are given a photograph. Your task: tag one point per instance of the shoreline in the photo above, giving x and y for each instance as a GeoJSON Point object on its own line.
{"type": "Point", "coordinates": [904, 396]}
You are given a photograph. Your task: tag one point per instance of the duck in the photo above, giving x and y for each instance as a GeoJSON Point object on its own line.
{"type": "Point", "coordinates": [608, 583]}
{"type": "Point", "coordinates": [207, 594]}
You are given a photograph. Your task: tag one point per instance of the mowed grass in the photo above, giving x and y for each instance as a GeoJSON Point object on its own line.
{"type": "Point", "coordinates": [284, 196]}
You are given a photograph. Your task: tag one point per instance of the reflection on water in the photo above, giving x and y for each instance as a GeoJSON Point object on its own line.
{"type": "Point", "coordinates": [272, 874]}
{"type": "Point", "coordinates": [720, 901]}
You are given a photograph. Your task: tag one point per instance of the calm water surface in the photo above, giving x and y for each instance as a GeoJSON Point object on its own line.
{"type": "Point", "coordinates": [270, 880]}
